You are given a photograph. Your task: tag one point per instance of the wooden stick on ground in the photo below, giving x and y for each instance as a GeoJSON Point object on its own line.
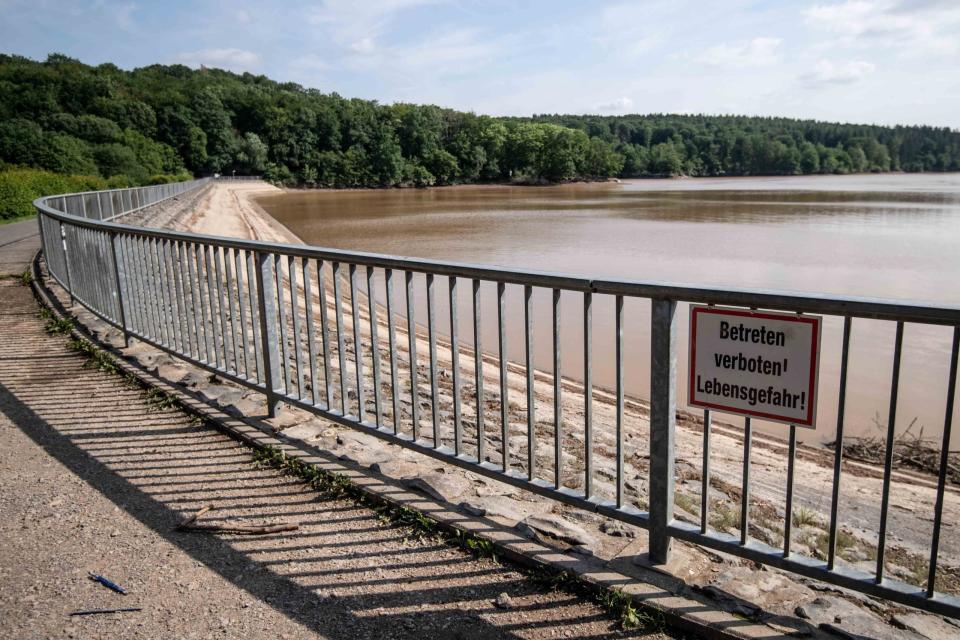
{"type": "Point", "coordinates": [190, 524]}
{"type": "Point", "coordinates": [189, 521]}
{"type": "Point", "coordinates": [254, 531]}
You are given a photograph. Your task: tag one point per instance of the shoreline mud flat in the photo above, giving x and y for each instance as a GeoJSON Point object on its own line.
{"type": "Point", "coordinates": [229, 210]}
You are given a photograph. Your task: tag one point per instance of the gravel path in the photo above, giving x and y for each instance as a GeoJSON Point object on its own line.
{"type": "Point", "coordinates": [94, 479]}
{"type": "Point", "coordinates": [18, 242]}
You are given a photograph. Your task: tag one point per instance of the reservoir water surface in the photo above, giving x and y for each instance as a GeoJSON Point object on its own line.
{"type": "Point", "coordinates": [882, 236]}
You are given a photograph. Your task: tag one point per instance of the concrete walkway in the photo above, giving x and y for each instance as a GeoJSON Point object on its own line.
{"type": "Point", "coordinates": [18, 242]}
{"type": "Point", "coordinates": [94, 478]}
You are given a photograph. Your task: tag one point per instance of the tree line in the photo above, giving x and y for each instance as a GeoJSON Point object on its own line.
{"type": "Point", "coordinates": [165, 122]}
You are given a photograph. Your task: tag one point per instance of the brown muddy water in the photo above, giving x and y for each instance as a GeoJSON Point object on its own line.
{"type": "Point", "coordinates": [884, 236]}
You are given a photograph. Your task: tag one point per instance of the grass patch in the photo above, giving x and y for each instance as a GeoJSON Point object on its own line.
{"type": "Point", "coordinates": [686, 502]}
{"type": "Point", "coordinates": [803, 517]}
{"type": "Point", "coordinates": [723, 517]}
{"type": "Point", "coordinates": [158, 400]}
{"type": "Point", "coordinates": [20, 218]}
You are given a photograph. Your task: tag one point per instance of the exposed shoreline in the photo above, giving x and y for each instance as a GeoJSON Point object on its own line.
{"type": "Point", "coordinates": [613, 180]}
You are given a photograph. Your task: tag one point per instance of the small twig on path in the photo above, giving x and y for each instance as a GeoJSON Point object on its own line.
{"type": "Point", "coordinates": [90, 612]}
{"type": "Point", "coordinates": [190, 524]}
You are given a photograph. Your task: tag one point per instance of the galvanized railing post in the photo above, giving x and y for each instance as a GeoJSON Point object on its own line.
{"type": "Point", "coordinates": [66, 262]}
{"type": "Point", "coordinates": [663, 408]}
{"type": "Point", "coordinates": [269, 336]}
{"type": "Point", "coordinates": [122, 313]}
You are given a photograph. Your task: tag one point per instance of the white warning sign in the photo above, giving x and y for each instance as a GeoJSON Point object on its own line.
{"type": "Point", "coordinates": [756, 364]}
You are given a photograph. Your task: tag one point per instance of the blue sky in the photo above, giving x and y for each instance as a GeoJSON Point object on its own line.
{"type": "Point", "coordinates": [876, 61]}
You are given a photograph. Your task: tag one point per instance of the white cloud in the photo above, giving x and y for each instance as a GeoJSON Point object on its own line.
{"type": "Point", "coordinates": [758, 52]}
{"type": "Point", "coordinates": [826, 72]}
{"type": "Point", "coordinates": [620, 105]}
{"type": "Point", "coordinates": [357, 24]}
{"type": "Point", "coordinates": [243, 16]}
{"type": "Point", "coordinates": [229, 59]}
{"type": "Point", "coordinates": [431, 57]}
{"type": "Point", "coordinates": [912, 27]}
{"type": "Point", "coordinates": [632, 29]}
{"type": "Point", "coordinates": [363, 46]}
{"type": "Point", "coordinates": [124, 15]}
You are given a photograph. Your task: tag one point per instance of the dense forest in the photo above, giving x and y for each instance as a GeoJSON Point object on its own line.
{"type": "Point", "coordinates": [159, 123]}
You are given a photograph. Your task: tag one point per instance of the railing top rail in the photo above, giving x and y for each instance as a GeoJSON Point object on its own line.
{"type": "Point", "coordinates": [118, 189]}
{"type": "Point", "coordinates": [854, 306]}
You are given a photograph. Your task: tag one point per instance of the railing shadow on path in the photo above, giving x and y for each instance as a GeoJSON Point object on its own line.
{"type": "Point", "coordinates": [142, 465]}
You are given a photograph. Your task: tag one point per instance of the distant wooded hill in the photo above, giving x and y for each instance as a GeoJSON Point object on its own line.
{"type": "Point", "coordinates": [160, 121]}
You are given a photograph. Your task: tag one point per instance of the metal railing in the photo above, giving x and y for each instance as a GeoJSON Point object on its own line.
{"type": "Point", "coordinates": [303, 325]}
{"type": "Point", "coordinates": [238, 178]}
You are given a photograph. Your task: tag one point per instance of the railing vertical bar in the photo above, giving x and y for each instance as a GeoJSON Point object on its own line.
{"type": "Point", "coordinates": [86, 285]}
{"type": "Point", "coordinates": [888, 458]}
{"type": "Point", "coordinates": [214, 307]}
{"type": "Point", "coordinates": [295, 314]}
{"type": "Point", "coordinates": [412, 346]}
{"type": "Point", "coordinates": [557, 391]}
{"type": "Point", "coordinates": [504, 389]}
{"type": "Point", "coordinates": [531, 398]}
{"type": "Point", "coordinates": [267, 302]}
{"type": "Point", "coordinates": [432, 337]}
{"type": "Point", "coordinates": [788, 510]}
{"type": "Point", "coordinates": [229, 256]}
{"type": "Point", "coordinates": [374, 345]}
{"type": "Point", "coordinates": [241, 299]}
{"type": "Point", "coordinates": [618, 339]}
{"type": "Point", "coordinates": [325, 335]}
{"type": "Point", "coordinates": [225, 329]}
{"type": "Point", "coordinates": [587, 394]}
{"type": "Point", "coordinates": [105, 268]}
{"type": "Point", "coordinates": [132, 268]}
{"type": "Point", "coordinates": [282, 321]}
{"type": "Point", "coordinates": [944, 463]}
{"type": "Point", "coordinates": [175, 307]}
{"type": "Point", "coordinates": [186, 306]}
{"type": "Point", "coordinates": [163, 295]}
{"type": "Point", "coordinates": [253, 289]}
{"type": "Point", "coordinates": [392, 338]}
{"type": "Point", "coordinates": [745, 488]}
{"type": "Point", "coordinates": [122, 300]}
{"type": "Point", "coordinates": [663, 415]}
{"type": "Point", "coordinates": [159, 290]}
{"type": "Point", "coordinates": [311, 339]}
{"type": "Point", "coordinates": [705, 473]}
{"type": "Point", "coordinates": [341, 350]}
{"type": "Point", "coordinates": [149, 300]}
{"type": "Point", "coordinates": [355, 324]}
{"type": "Point", "coordinates": [455, 367]}
{"type": "Point", "coordinates": [838, 445]}
{"type": "Point", "coordinates": [196, 302]}
{"type": "Point", "coordinates": [204, 312]}
{"type": "Point", "coordinates": [66, 261]}
{"type": "Point", "coordinates": [478, 369]}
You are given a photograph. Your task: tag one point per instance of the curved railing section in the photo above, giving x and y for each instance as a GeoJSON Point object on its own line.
{"type": "Point", "coordinates": [303, 326]}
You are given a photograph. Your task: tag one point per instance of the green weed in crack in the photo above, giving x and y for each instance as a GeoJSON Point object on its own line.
{"type": "Point", "coordinates": [158, 400]}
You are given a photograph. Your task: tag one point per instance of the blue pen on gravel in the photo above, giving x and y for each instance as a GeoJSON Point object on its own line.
{"type": "Point", "coordinates": [107, 583]}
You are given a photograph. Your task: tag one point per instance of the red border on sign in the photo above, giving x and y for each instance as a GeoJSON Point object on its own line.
{"type": "Point", "coordinates": [814, 321]}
